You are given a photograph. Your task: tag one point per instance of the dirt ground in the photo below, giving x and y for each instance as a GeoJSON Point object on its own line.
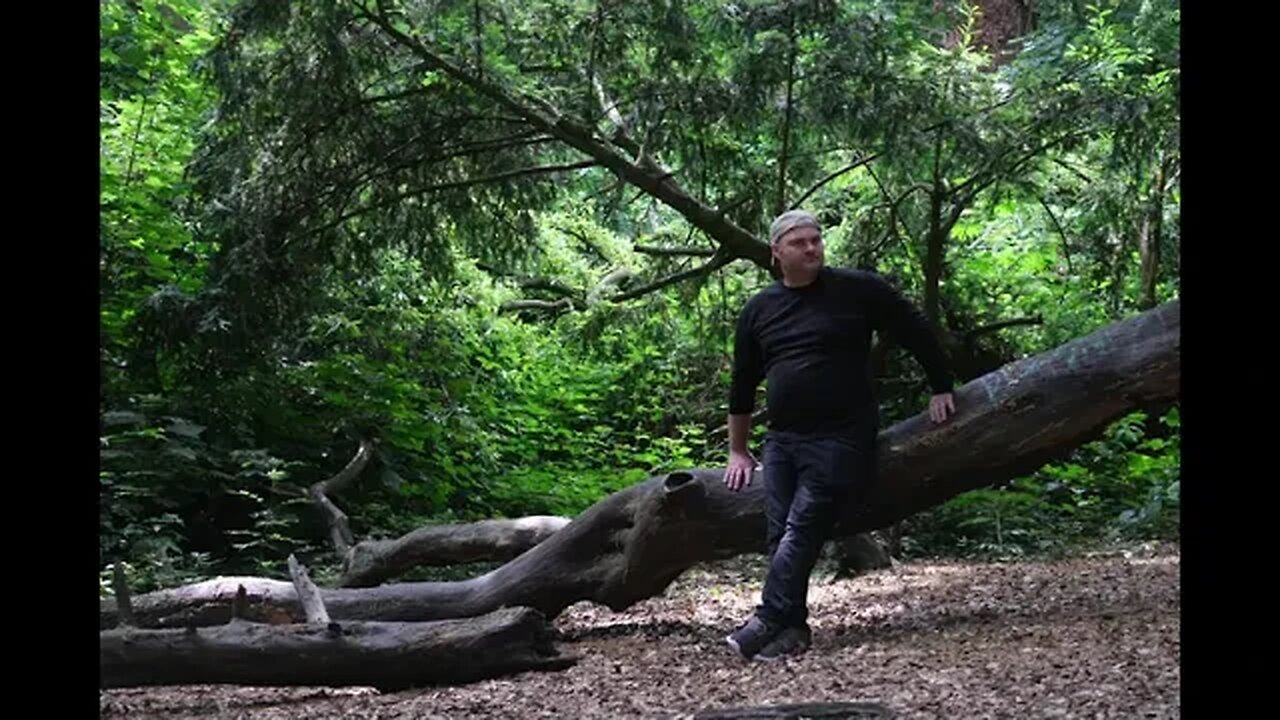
{"type": "Point", "coordinates": [1090, 637]}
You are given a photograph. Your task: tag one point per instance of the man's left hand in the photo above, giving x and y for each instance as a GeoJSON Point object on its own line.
{"type": "Point", "coordinates": [941, 406]}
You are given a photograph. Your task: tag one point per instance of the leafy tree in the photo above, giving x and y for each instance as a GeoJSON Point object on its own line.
{"type": "Point", "coordinates": [507, 243]}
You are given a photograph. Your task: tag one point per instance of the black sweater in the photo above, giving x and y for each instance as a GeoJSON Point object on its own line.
{"type": "Point", "coordinates": [812, 345]}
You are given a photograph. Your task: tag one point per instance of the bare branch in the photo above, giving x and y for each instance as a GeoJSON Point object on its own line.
{"type": "Point", "coordinates": [372, 562]}
{"type": "Point", "coordinates": [554, 286]}
{"type": "Point", "coordinates": [530, 282]}
{"type": "Point", "coordinates": [432, 155]}
{"type": "Point", "coordinates": [717, 261]}
{"type": "Point", "coordinates": [1066, 246]}
{"type": "Point", "coordinates": [870, 158]}
{"type": "Point", "coordinates": [399, 94]}
{"type": "Point", "coordinates": [787, 115]}
{"type": "Point", "coordinates": [847, 169]}
{"type": "Point", "coordinates": [544, 116]}
{"type": "Point", "coordinates": [123, 600]}
{"type": "Point", "coordinates": [964, 193]}
{"type": "Point", "coordinates": [517, 305]}
{"type": "Point", "coordinates": [339, 529]}
{"type": "Point", "coordinates": [1073, 170]}
{"type": "Point", "coordinates": [673, 251]}
{"type": "Point", "coordinates": [308, 593]}
{"type": "Point", "coordinates": [615, 279]}
{"type": "Point", "coordinates": [622, 133]}
{"type": "Point", "coordinates": [895, 217]}
{"type": "Point", "coordinates": [427, 189]}
{"type": "Point", "coordinates": [978, 332]}
{"type": "Point", "coordinates": [757, 417]}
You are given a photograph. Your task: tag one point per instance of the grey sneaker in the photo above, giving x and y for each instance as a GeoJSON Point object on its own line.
{"type": "Point", "coordinates": [791, 641]}
{"type": "Point", "coordinates": [748, 639]}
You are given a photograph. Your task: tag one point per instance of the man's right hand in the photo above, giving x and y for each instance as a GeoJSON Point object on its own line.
{"type": "Point", "coordinates": [741, 465]}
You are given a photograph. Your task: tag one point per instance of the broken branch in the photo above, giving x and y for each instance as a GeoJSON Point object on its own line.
{"type": "Point", "coordinates": [339, 528]}
{"type": "Point", "coordinates": [385, 655]}
{"type": "Point", "coordinates": [674, 251]}
{"type": "Point", "coordinates": [123, 601]}
{"type": "Point", "coordinates": [518, 305]}
{"type": "Point", "coordinates": [308, 594]}
{"type": "Point", "coordinates": [717, 261]}
{"type": "Point", "coordinates": [978, 332]}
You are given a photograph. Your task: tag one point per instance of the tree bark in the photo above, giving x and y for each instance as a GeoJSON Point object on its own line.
{"type": "Point", "coordinates": [548, 305]}
{"type": "Point", "coordinates": [858, 554]}
{"type": "Point", "coordinates": [1150, 236]}
{"type": "Point", "coordinates": [123, 600]}
{"type": "Point", "coordinates": [339, 528]}
{"type": "Point", "coordinates": [632, 544]}
{"type": "Point", "coordinates": [374, 561]}
{"type": "Point", "coordinates": [386, 655]}
{"type": "Point", "coordinates": [308, 594]}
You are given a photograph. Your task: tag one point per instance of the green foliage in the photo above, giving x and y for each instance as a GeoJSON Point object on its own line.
{"type": "Point", "coordinates": [303, 246]}
{"type": "Point", "coordinates": [176, 504]}
{"type": "Point", "coordinates": [151, 104]}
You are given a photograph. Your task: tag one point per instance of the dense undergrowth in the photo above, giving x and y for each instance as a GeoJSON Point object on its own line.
{"type": "Point", "coordinates": [248, 347]}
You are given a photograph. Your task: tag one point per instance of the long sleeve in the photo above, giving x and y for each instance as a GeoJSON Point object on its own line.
{"type": "Point", "coordinates": [748, 366]}
{"type": "Point", "coordinates": [900, 318]}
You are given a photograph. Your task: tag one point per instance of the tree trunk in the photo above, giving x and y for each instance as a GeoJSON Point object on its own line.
{"type": "Point", "coordinates": [861, 553]}
{"type": "Point", "coordinates": [386, 655]}
{"type": "Point", "coordinates": [373, 561]}
{"type": "Point", "coordinates": [1150, 235]}
{"type": "Point", "coordinates": [632, 544]}
{"type": "Point", "coordinates": [935, 249]}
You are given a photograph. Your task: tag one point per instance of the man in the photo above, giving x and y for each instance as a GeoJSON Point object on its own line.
{"type": "Point", "coordinates": [809, 334]}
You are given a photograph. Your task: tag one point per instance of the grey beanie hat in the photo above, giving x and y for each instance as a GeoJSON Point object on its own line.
{"type": "Point", "coordinates": [790, 220]}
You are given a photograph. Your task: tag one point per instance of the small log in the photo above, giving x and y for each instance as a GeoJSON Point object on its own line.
{"type": "Point", "coordinates": [388, 656]}
{"type": "Point", "coordinates": [308, 594]}
{"type": "Point", "coordinates": [371, 562]}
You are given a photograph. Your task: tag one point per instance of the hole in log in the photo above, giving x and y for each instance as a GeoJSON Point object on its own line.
{"type": "Point", "coordinates": [677, 480]}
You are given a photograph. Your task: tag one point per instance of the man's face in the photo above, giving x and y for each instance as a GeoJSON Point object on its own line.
{"type": "Point", "coordinates": [799, 250]}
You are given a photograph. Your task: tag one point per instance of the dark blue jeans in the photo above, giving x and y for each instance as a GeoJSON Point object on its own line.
{"type": "Point", "coordinates": [809, 482]}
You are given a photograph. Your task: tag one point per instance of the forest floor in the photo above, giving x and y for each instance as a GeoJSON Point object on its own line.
{"type": "Point", "coordinates": [1094, 636]}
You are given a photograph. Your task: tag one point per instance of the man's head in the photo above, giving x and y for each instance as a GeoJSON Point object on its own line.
{"type": "Point", "coordinates": [795, 239]}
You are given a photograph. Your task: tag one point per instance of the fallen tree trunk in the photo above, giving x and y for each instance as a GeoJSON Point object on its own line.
{"type": "Point", "coordinates": [386, 655]}
{"type": "Point", "coordinates": [373, 561]}
{"type": "Point", "coordinates": [632, 544]}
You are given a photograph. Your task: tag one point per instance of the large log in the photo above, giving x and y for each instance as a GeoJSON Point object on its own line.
{"type": "Point", "coordinates": [632, 544]}
{"type": "Point", "coordinates": [373, 561]}
{"type": "Point", "coordinates": [386, 655]}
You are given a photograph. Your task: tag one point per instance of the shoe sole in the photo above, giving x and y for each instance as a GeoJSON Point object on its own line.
{"type": "Point", "coordinates": [737, 649]}
{"type": "Point", "coordinates": [774, 658]}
